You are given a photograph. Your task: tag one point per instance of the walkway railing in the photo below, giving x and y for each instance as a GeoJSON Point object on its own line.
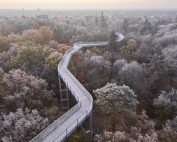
{"type": "Point", "coordinates": [74, 117]}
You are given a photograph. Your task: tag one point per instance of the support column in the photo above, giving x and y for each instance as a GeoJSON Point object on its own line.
{"type": "Point", "coordinates": [64, 97]}
{"type": "Point", "coordinates": [91, 126]}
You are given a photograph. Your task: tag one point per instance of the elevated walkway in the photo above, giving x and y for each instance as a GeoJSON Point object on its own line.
{"type": "Point", "coordinates": [63, 127]}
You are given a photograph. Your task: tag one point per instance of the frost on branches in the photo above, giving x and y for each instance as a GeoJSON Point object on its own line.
{"type": "Point", "coordinates": [117, 101]}
{"type": "Point", "coordinates": [21, 125]}
{"type": "Point", "coordinates": [166, 106]}
{"type": "Point", "coordinates": [144, 131]}
{"type": "Point", "coordinates": [112, 98]}
{"type": "Point", "coordinates": [25, 90]}
{"type": "Point", "coordinates": [123, 137]}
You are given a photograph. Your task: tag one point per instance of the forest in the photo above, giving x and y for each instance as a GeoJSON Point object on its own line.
{"type": "Point", "coordinates": [133, 82]}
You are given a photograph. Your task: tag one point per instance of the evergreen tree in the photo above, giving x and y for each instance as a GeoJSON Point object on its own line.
{"type": "Point", "coordinates": [112, 40]}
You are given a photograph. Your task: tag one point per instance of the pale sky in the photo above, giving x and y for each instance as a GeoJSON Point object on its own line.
{"type": "Point", "coordinates": [88, 4]}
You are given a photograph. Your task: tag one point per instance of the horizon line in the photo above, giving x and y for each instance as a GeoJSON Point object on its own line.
{"type": "Point", "coordinates": [89, 9]}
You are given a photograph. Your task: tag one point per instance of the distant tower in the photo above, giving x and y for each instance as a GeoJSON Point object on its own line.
{"type": "Point", "coordinates": [103, 21]}
{"type": "Point", "coordinates": [23, 13]}
{"type": "Point", "coordinates": [102, 18]}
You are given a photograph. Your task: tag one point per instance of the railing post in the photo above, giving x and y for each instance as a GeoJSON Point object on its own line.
{"type": "Point", "coordinates": [66, 132]}
{"type": "Point", "coordinates": [91, 127]}
{"type": "Point", "coordinates": [77, 123]}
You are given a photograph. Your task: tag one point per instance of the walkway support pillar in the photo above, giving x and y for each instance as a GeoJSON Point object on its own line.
{"type": "Point", "coordinates": [91, 126]}
{"type": "Point", "coordinates": [64, 97]}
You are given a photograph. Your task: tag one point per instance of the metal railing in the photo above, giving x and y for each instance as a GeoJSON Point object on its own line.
{"type": "Point", "coordinates": [55, 124]}
{"type": "Point", "coordinates": [73, 126]}
{"type": "Point", "coordinates": [65, 74]}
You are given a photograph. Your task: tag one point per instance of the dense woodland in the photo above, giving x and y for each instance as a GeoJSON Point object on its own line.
{"type": "Point", "coordinates": [133, 83]}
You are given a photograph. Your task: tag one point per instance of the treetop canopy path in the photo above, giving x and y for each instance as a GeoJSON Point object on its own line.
{"type": "Point", "coordinates": [63, 127]}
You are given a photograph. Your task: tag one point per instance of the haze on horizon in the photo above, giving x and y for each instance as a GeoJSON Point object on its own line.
{"type": "Point", "coordinates": [88, 4]}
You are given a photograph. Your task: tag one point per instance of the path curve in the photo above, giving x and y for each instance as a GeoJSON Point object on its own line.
{"type": "Point", "coordinates": [63, 127]}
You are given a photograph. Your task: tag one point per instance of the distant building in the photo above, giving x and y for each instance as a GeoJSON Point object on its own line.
{"type": "Point", "coordinates": [43, 18]}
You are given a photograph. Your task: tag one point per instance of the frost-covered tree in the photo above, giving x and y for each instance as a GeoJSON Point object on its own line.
{"type": "Point", "coordinates": [125, 25]}
{"type": "Point", "coordinates": [166, 106]}
{"type": "Point", "coordinates": [35, 59]}
{"type": "Point", "coordinates": [146, 27]}
{"type": "Point", "coordinates": [1, 73]}
{"type": "Point", "coordinates": [123, 137]}
{"type": "Point", "coordinates": [94, 70]}
{"type": "Point", "coordinates": [167, 135]}
{"type": "Point", "coordinates": [5, 29]}
{"type": "Point", "coordinates": [7, 55]}
{"type": "Point", "coordinates": [53, 43]}
{"type": "Point", "coordinates": [169, 131]}
{"type": "Point", "coordinates": [52, 60]}
{"type": "Point", "coordinates": [98, 72]}
{"type": "Point", "coordinates": [32, 35]}
{"type": "Point", "coordinates": [14, 38]}
{"type": "Point", "coordinates": [117, 66]}
{"type": "Point", "coordinates": [112, 99]}
{"type": "Point", "coordinates": [21, 125]}
{"type": "Point", "coordinates": [170, 61]}
{"type": "Point", "coordinates": [129, 50]}
{"type": "Point", "coordinates": [46, 33]}
{"type": "Point", "coordinates": [165, 36]}
{"type": "Point", "coordinates": [144, 53]}
{"type": "Point", "coordinates": [26, 91]}
{"type": "Point", "coordinates": [27, 57]}
{"type": "Point", "coordinates": [111, 137]}
{"type": "Point", "coordinates": [113, 46]}
{"type": "Point", "coordinates": [143, 132]}
{"type": "Point", "coordinates": [131, 74]}
{"type": "Point", "coordinates": [112, 40]}
{"type": "Point", "coordinates": [172, 124]}
{"type": "Point", "coordinates": [3, 43]}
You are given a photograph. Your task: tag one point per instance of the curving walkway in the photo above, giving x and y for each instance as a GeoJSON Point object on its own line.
{"type": "Point", "coordinates": [63, 127]}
